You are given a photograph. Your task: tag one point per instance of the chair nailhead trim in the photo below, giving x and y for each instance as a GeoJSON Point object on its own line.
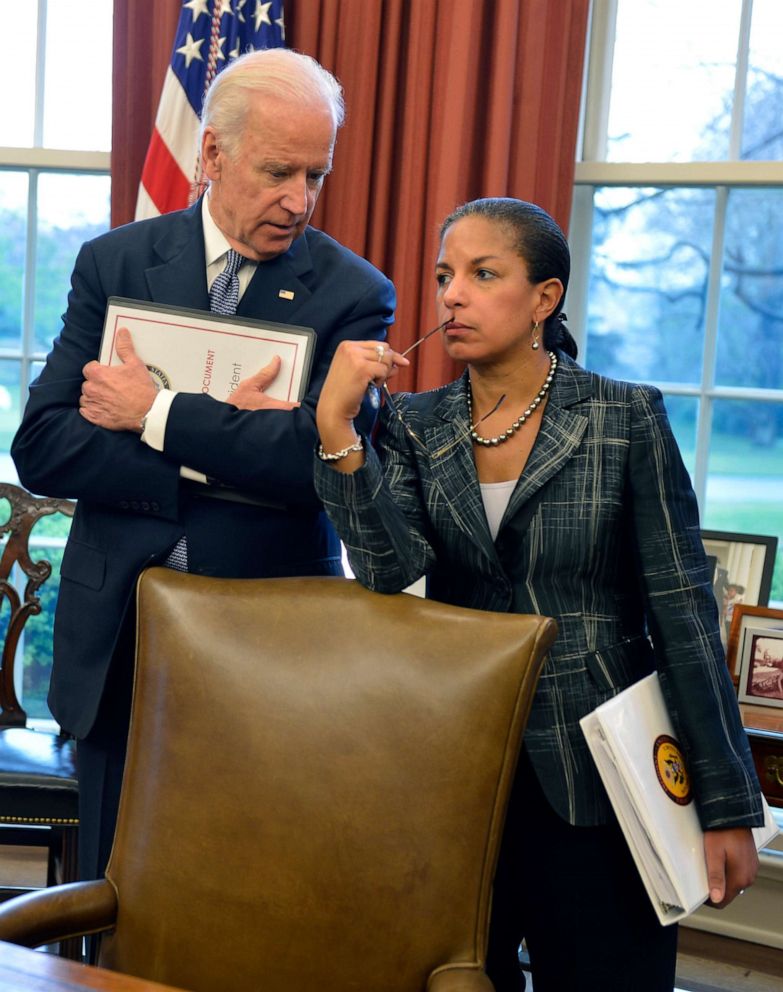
{"type": "Point", "coordinates": [60, 821]}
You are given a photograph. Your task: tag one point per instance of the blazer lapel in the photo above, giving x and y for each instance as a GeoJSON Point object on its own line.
{"type": "Point", "coordinates": [560, 434]}
{"type": "Point", "coordinates": [454, 471]}
{"type": "Point", "coordinates": [277, 291]}
{"type": "Point", "coordinates": [178, 277]}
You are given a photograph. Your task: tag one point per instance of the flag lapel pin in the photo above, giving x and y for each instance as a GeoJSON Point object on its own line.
{"type": "Point", "coordinates": [285, 294]}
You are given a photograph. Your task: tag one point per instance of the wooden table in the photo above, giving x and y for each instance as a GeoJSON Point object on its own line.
{"type": "Point", "coordinates": [22, 970]}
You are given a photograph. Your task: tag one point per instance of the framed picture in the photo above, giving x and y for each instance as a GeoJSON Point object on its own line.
{"type": "Point", "coordinates": [745, 620]}
{"type": "Point", "coordinates": [742, 567]}
{"type": "Point", "coordinates": [761, 660]}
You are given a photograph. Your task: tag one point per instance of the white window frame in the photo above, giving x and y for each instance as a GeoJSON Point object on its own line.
{"type": "Point", "coordinates": [592, 172]}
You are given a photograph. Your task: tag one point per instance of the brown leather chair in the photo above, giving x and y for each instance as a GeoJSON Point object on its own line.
{"type": "Point", "coordinates": [315, 790]}
{"type": "Point", "coordinates": [38, 789]}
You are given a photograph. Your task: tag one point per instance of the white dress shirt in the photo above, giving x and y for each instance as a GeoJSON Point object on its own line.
{"type": "Point", "coordinates": [215, 248]}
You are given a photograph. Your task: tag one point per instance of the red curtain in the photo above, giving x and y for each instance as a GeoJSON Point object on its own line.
{"type": "Point", "coordinates": [446, 100]}
{"type": "Point", "coordinates": [143, 35]}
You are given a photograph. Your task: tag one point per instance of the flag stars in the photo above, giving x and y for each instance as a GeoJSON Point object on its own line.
{"type": "Point", "coordinates": [191, 50]}
{"type": "Point", "coordinates": [197, 8]}
{"type": "Point", "coordinates": [280, 22]}
{"type": "Point", "coordinates": [226, 10]}
{"type": "Point", "coordinates": [261, 14]}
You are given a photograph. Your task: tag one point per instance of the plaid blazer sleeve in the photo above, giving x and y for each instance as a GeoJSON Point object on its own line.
{"type": "Point", "coordinates": [683, 620]}
{"type": "Point", "coordinates": [380, 515]}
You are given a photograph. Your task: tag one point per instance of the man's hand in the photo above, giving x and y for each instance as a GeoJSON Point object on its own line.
{"type": "Point", "coordinates": [732, 863]}
{"type": "Point", "coordinates": [250, 395]}
{"type": "Point", "coordinates": [118, 396]}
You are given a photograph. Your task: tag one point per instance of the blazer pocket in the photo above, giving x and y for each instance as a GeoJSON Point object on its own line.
{"type": "Point", "coordinates": [619, 665]}
{"type": "Point", "coordinates": [84, 564]}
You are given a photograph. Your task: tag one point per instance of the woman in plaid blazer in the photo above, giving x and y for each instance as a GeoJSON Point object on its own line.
{"type": "Point", "coordinates": [567, 498]}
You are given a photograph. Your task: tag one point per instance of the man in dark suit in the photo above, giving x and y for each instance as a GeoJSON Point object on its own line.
{"type": "Point", "coordinates": [142, 463]}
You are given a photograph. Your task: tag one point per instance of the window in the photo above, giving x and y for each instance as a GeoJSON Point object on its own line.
{"type": "Point", "coordinates": [677, 235]}
{"type": "Point", "coordinates": [54, 194]}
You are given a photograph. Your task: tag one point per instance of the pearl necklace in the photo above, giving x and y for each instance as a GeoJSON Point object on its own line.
{"type": "Point", "coordinates": [500, 438]}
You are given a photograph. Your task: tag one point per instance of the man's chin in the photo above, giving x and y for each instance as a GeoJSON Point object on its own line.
{"type": "Point", "coordinates": [274, 244]}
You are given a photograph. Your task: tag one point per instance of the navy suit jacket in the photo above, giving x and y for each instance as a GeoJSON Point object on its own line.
{"type": "Point", "coordinates": [601, 533]}
{"type": "Point", "coordinates": [132, 504]}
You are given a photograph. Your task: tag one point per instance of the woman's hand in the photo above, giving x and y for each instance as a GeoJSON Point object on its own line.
{"type": "Point", "coordinates": [356, 365]}
{"type": "Point", "coordinates": [732, 863]}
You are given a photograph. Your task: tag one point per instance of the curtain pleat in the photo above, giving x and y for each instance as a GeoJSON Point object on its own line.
{"type": "Point", "coordinates": [447, 100]}
{"type": "Point", "coordinates": [141, 49]}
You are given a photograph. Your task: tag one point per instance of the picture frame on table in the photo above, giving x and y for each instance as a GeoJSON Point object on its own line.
{"type": "Point", "coordinates": [742, 566]}
{"type": "Point", "coordinates": [751, 628]}
{"type": "Point", "coordinates": [761, 664]}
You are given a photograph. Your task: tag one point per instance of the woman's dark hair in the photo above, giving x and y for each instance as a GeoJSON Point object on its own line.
{"type": "Point", "coordinates": [539, 242]}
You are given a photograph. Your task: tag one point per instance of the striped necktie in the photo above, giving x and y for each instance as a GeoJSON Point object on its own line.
{"type": "Point", "coordinates": [223, 299]}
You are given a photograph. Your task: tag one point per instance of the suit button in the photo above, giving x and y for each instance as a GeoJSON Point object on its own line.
{"type": "Point", "coordinates": [145, 505]}
{"type": "Point", "coordinates": [134, 504]}
{"type": "Point", "coordinates": [124, 504]}
{"type": "Point", "coordinates": [154, 505]}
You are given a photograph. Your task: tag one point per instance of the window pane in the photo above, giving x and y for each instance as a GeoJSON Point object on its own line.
{"type": "Point", "coordinates": [648, 283]}
{"type": "Point", "coordinates": [13, 244]}
{"type": "Point", "coordinates": [17, 75]}
{"type": "Point", "coordinates": [673, 80]}
{"type": "Point", "coordinates": [78, 75]}
{"type": "Point", "coordinates": [763, 135]}
{"type": "Point", "coordinates": [9, 415]}
{"type": "Point", "coordinates": [71, 209]}
{"type": "Point", "coordinates": [745, 469]}
{"type": "Point", "coordinates": [750, 330]}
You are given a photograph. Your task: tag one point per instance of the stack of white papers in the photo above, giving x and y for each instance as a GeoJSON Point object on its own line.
{"type": "Point", "coordinates": [632, 741]}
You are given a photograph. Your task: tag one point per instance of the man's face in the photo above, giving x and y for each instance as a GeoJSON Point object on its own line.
{"type": "Point", "coordinates": [263, 197]}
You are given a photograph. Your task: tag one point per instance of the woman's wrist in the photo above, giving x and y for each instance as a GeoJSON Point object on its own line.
{"type": "Point", "coordinates": [340, 446]}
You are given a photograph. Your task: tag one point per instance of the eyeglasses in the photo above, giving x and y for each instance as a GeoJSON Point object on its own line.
{"type": "Point", "coordinates": [409, 430]}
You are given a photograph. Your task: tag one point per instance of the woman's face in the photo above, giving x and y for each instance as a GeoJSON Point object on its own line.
{"type": "Point", "coordinates": [485, 294]}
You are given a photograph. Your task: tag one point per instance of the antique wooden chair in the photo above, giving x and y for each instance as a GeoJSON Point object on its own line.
{"type": "Point", "coordinates": [38, 791]}
{"type": "Point", "coordinates": [315, 790]}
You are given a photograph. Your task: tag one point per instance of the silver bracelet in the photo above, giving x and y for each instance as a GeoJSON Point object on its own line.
{"type": "Point", "coordinates": [327, 456]}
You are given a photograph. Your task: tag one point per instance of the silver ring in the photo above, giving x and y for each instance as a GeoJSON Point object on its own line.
{"type": "Point", "coordinates": [380, 351]}
{"type": "Point", "coordinates": [741, 892]}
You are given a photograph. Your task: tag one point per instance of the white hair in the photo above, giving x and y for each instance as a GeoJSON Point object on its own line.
{"type": "Point", "coordinates": [280, 72]}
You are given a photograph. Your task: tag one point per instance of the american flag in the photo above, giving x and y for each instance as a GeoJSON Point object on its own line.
{"type": "Point", "coordinates": [210, 33]}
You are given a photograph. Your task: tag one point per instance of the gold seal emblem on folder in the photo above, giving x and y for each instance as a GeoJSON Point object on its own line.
{"type": "Point", "coordinates": [671, 771]}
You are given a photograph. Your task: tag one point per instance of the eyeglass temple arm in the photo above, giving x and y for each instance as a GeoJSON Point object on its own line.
{"type": "Point", "coordinates": [427, 335]}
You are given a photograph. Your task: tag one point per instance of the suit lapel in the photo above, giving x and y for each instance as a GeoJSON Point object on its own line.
{"type": "Point", "coordinates": [179, 277]}
{"type": "Point", "coordinates": [559, 437]}
{"type": "Point", "coordinates": [454, 471]}
{"type": "Point", "coordinates": [277, 290]}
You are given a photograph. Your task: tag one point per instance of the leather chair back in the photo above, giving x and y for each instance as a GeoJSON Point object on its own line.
{"type": "Point", "coordinates": [316, 783]}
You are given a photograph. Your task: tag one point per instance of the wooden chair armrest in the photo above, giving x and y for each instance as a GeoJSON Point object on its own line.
{"type": "Point", "coordinates": [59, 912]}
{"type": "Point", "coordinates": [456, 979]}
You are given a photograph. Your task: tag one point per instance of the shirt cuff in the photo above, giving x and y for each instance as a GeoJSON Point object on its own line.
{"type": "Point", "coordinates": [156, 419]}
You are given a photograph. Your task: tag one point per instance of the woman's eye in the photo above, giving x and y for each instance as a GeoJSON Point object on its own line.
{"type": "Point", "coordinates": [484, 274]}
{"type": "Point", "coordinates": [441, 278]}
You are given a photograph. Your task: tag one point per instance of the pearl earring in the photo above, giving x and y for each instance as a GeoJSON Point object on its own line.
{"type": "Point", "coordinates": [535, 345]}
